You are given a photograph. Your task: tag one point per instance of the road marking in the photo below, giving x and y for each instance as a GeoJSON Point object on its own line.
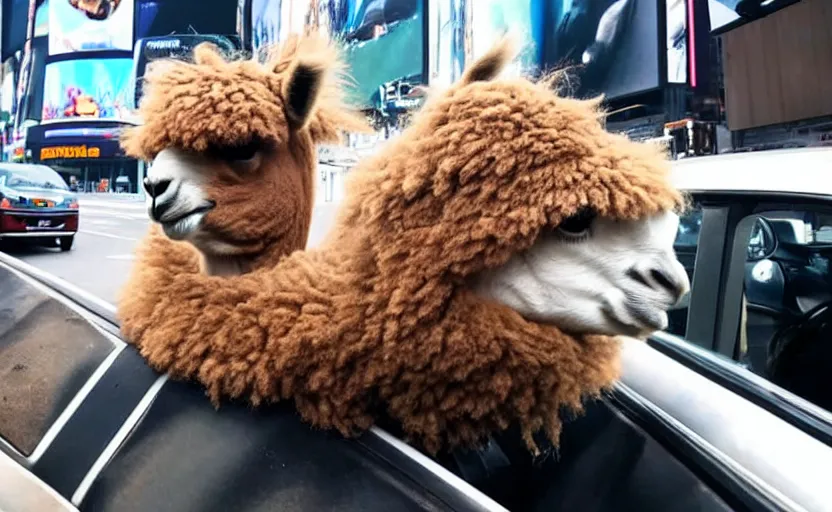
{"type": "Point", "coordinates": [99, 233]}
{"type": "Point", "coordinates": [86, 210]}
{"type": "Point", "coordinates": [125, 204]}
{"type": "Point", "coordinates": [102, 222]}
{"type": "Point", "coordinates": [127, 257]}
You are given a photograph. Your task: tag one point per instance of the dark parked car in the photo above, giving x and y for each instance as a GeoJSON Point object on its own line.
{"type": "Point", "coordinates": [37, 205]}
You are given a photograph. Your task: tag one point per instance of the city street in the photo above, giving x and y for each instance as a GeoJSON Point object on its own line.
{"type": "Point", "coordinates": [110, 228]}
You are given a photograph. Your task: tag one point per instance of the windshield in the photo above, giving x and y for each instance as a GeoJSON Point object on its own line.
{"type": "Point", "coordinates": [32, 177]}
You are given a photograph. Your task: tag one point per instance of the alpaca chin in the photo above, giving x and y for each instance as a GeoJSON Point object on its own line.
{"type": "Point", "coordinates": [224, 266]}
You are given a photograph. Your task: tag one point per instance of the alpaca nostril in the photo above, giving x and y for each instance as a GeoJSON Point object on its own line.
{"type": "Point", "coordinates": [156, 188]}
{"type": "Point", "coordinates": [661, 278]}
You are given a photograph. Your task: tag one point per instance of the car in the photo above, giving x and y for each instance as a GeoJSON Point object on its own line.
{"type": "Point", "coordinates": [37, 205]}
{"type": "Point", "coordinates": [87, 425]}
{"type": "Point", "coordinates": [757, 249]}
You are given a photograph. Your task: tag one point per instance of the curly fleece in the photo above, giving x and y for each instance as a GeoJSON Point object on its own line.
{"type": "Point", "coordinates": [379, 319]}
{"type": "Point", "coordinates": [198, 106]}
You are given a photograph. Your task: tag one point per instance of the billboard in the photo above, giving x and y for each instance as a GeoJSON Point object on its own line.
{"type": "Point", "coordinates": [611, 46]}
{"type": "Point", "coordinates": [265, 22]}
{"type": "Point", "coordinates": [383, 42]}
{"type": "Point", "coordinates": [722, 12]}
{"type": "Point", "coordinates": [677, 41]}
{"type": "Point", "coordinates": [90, 25]}
{"type": "Point", "coordinates": [89, 88]}
{"type": "Point", "coordinates": [447, 29]}
{"type": "Point", "coordinates": [490, 19]}
{"type": "Point", "coordinates": [166, 17]}
{"type": "Point", "coordinates": [42, 18]}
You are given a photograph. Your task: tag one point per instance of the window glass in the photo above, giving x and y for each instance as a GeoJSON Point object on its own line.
{"type": "Point", "coordinates": [785, 331]}
{"type": "Point", "coordinates": [687, 241]}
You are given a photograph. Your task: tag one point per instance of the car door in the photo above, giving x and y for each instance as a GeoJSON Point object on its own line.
{"type": "Point", "coordinates": [760, 303]}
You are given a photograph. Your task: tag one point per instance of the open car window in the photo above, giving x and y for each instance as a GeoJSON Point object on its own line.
{"type": "Point", "coordinates": [765, 305]}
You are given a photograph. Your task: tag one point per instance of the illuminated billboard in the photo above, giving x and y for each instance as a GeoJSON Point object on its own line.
{"type": "Point", "coordinates": [446, 51]}
{"type": "Point", "coordinates": [490, 19]}
{"type": "Point", "coordinates": [265, 22]}
{"type": "Point", "coordinates": [677, 41]}
{"type": "Point", "coordinates": [384, 50]}
{"type": "Point", "coordinates": [90, 25]}
{"type": "Point", "coordinates": [89, 88]}
{"type": "Point", "coordinates": [722, 12]}
{"type": "Point", "coordinates": [611, 46]}
{"type": "Point", "coordinates": [42, 19]}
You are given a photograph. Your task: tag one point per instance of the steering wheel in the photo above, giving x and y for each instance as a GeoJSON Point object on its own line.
{"type": "Point", "coordinates": [800, 355]}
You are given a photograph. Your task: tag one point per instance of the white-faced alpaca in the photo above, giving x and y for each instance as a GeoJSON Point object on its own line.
{"type": "Point", "coordinates": [478, 271]}
{"type": "Point", "coordinates": [232, 146]}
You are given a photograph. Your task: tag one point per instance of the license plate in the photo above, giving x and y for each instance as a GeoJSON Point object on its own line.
{"type": "Point", "coordinates": [44, 223]}
{"type": "Point", "coordinates": [43, 203]}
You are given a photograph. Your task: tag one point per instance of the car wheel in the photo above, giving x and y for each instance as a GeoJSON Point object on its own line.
{"type": "Point", "coordinates": [65, 242]}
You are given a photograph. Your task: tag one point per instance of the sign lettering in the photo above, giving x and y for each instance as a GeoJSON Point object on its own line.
{"type": "Point", "coordinates": [170, 44]}
{"type": "Point", "coordinates": [70, 152]}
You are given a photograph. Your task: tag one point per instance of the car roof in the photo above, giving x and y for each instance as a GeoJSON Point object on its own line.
{"type": "Point", "coordinates": [796, 171]}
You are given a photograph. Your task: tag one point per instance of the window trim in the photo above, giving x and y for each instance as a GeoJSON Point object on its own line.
{"type": "Point", "coordinates": [789, 407]}
{"type": "Point", "coordinates": [707, 275]}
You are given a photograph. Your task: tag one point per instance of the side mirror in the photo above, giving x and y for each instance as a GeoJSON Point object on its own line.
{"type": "Point", "coordinates": [762, 243]}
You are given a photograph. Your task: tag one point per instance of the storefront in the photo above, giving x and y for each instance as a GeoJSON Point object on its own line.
{"type": "Point", "coordinates": [87, 155]}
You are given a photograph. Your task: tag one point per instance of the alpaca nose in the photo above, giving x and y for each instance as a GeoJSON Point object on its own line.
{"type": "Point", "coordinates": [667, 276]}
{"type": "Point", "coordinates": [156, 187]}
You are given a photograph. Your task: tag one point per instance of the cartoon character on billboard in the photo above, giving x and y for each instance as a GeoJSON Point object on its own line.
{"type": "Point", "coordinates": [96, 9]}
{"type": "Point", "coordinates": [80, 104]}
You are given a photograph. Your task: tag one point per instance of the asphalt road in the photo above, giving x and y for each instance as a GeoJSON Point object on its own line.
{"type": "Point", "coordinates": [110, 228]}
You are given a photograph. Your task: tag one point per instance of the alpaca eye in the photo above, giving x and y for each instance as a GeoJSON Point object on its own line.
{"type": "Point", "coordinates": [577, 225]}
{"type": "Point", "coordinates": [240, 153]}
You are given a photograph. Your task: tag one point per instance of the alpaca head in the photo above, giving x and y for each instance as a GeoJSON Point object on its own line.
{"type": "Point", "coordinates": [231, 144]}
{"type": "Point", "coordinates": [503, 189]}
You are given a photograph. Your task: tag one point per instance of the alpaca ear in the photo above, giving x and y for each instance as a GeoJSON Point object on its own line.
{"type": "Point", "coordinates": [493, 62]}
{"type": "Point", "coordinates": [207, 53]}
{"type": "Point", "coordinates": [301, 90]}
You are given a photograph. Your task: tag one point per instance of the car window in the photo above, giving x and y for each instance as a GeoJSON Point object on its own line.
{"type": "Point", "coordinates": [32, 177]}
{"type": "Point", "coordinates": [785, 334]}
{"type": "Point", "coordinates": [686, 245]}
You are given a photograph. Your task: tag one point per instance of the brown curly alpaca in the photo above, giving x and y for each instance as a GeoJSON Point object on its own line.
{"type": "Point", "coordinates": [401, 312]}
{"type": "Point", "coordinates": [233, 150]}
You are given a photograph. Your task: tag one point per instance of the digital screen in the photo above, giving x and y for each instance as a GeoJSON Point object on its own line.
{"type": "Point", "coordinates": [611, 46]}
{"type": "Point", "coordinates": [265, 22]}
{"type": "Point", "coordinates": [493, 18]}
{"type": "Point", "coordinates": [42, 19]}
{"type": "Point", "coordinates": [156, 18]}
{"type": "Point", "coordinates": [677, 41]}
{"type": "Point", "coordinates": [15, 16]}
{"type": "Point", "coordinates": [383, 47]}
{"type": "Point", "coordinates": [722, 12]}
{"type": "Point", "coordinates": [90, 25]}
{"type": "Point", "coordinates": [90, 88]}
{"type": "Point", "coordinates": [7, 93]}
{"type": "Point", "coordinates": [447, 41]}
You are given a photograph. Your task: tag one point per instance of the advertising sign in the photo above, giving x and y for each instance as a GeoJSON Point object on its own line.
{"type": "Point", "coordinates": [611, 46]}
{"type": "Point", "coordinates": [90, 88]}
{"type": "Point", "coordinates": [447, 30]}
{"type": "Point", "coordinates": [677, 37]}
{"type": "Point", "coordinates": [90, 25]}
{"type": "Point", "coordinates": [493, 18]}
